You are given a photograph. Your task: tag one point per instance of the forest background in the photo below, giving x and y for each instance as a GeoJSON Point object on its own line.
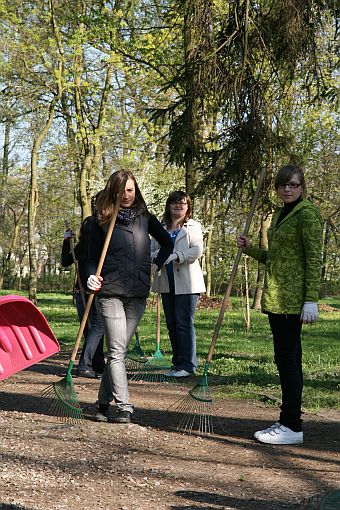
{"type": "Point", "coordinates": [188, 94]}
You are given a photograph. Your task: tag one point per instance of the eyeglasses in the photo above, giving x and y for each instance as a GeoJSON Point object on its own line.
{"type": "Point", "coordinates": [180, 202]}
{"type": "Point", "coordinates": [290, 185]}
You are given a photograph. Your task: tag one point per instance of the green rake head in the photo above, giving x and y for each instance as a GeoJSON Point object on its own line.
{"type": "Point", "coordinates": [135, 357]}
{"type": "Point", "coordinates": [136, 351]}
{"type": "Point", "coordinates": [157, 356]}
{"type": "Point", "coordinates": [63, 399]}
{"type": "Point", "coordinates": [201, 391]}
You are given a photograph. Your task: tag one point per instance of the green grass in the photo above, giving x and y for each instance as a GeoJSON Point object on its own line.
{"type": "Point", "coordinates": [242, 364]}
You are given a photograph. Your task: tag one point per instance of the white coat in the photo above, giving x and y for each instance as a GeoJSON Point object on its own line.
{"type": "Point", "coordinates": [188, 274]}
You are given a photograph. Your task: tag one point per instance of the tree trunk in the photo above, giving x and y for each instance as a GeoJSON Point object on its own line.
{"type": "Point", "coordinates": [6, 265]}
{"type": "Point", "coordinates": [33, 203]}
{"type": "Point", "coordinates": [90, 136]}
{"type": "Point", "coordinates": [209, 207]}
{"type": "Point", "coordinates": [246, 282]}
{"type": "Point", "coordinates": [96, 140]}
{"type": "Point", "coordinates": [263, 243]}
{"type": "Point", "coordinates": [5, 169]}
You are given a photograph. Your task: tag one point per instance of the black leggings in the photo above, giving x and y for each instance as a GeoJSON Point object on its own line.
{"type": "Point", "coordinates": [286, 331]}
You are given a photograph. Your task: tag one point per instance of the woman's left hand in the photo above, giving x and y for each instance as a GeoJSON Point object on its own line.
{"type": "Point", "coordinates": [309, 313]}
{"type": "Point", "coordinates": [171, 258]}
{"type": "Point", "coordinates": [154, 268]}
{"type": "Point", "coordinates": [68, 234]}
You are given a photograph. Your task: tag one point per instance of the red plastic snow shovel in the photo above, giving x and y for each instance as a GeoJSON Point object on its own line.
{"type": "Point", "coordinates": [25, 336]}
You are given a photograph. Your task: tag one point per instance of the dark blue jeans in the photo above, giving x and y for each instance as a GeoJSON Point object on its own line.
{"type": "Point", "coordinates": [180, 314]}
{"type": "Point", "coordinates": [286, 331]}
{"type": "Point", "coordinates": [92, 355]}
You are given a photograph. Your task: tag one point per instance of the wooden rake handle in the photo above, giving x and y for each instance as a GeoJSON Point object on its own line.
{"type": "Point", "coordinates": [226, 298]}
{"type": "Point", "coordinates": [99, 268]}
{"type": "Point", "coordinates": [158, 319]}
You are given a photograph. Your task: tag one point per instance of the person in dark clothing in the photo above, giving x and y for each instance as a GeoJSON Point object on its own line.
{"type": "Point", "coordinates": [92, 362]}
{"type": "Point", "coordinates": [290, 294]}
{"type": "Point", "coordinates": [124, 283]}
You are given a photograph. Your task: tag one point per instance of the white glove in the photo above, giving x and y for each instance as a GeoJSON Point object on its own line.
{"type": "Point", "coordinates": [309, 313]}
{"type": "Point", "coordinates": [171, 257]}
{"type": "Point", "coordinates": [94, 283]}
{"type": "Point", "coordinates": [68, 234]}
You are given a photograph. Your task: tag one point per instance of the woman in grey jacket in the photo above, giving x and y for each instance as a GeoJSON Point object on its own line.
{"type": "Point", "coordinates": [181, 281]}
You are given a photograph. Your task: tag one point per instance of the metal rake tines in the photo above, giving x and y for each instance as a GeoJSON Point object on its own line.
{"type": "Point", "coordinates": [63, 403]}
{"type": "Point", "coordinates": [152, 373]}
{"type": "Point", "coordinates": [195, 412]}
{"type": "Point", "coordinates": [134, 364]}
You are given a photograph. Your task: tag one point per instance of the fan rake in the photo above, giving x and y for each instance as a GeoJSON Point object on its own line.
{"type": "Point", "coordinates": [195, 409]}
{"type": "Point", "coordinates": [63, 399]}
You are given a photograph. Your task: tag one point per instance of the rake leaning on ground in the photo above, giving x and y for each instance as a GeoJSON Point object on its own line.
{"type": "Point", "coordinates": [195, 408]}
{"type": "Point", "coordinates": [154, 370]}
{"type": "Point", "coordinates": [135, 357]}
{"type": "Point", "coordinates": [62, 395]}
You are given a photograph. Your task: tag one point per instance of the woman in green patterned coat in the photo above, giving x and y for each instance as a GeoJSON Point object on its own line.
{"type": "Point", "coordinates": [290, 293]}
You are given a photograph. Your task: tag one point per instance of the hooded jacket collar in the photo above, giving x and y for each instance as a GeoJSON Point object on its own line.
{"type": "Point", "coordinates": [297, 208]}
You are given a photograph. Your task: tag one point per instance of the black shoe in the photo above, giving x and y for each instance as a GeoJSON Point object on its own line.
{"type": "Point", "coordinates": [123, 417]}
{"type": "Point", "coordinates": [88, 374]}
{"type": "Point", "coordinates": [98, 369]}
{"type": "Point", "coordinates": [102, 412]}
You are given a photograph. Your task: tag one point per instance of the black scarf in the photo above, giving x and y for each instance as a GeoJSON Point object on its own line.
{"type": "Point", "coordinates": [127, 215]}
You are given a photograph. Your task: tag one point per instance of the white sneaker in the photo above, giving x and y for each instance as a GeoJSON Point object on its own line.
{"type": "Point", "coordinates": [264, 431]}
{"type": "Point", "coordinates": [170, 373]}
{"type": "Point", "coordinates": [279, 435]}
{"type": "Point", "coordinates": [180, 373]}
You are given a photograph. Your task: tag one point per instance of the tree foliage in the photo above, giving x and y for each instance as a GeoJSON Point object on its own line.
{"type": "Point", "coordinates": [197, 94]}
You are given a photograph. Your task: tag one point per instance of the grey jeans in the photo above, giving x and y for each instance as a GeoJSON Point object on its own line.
{"type": "Point", "coordinates": [120, 319]}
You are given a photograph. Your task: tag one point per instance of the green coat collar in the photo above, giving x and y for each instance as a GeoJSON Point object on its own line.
{"type": "Point", "coordinates": [297, 208]}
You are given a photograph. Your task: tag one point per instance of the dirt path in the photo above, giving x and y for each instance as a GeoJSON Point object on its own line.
{"type": "Point", "coordinates": [49, 465]}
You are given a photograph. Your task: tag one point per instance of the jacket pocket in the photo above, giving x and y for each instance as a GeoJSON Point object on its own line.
{"type": "Point", "coordinates": [111, 277]}
{"type": "Point", "coordinates": [145, 278]}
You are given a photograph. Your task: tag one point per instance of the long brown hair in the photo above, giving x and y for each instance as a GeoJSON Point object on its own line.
{"type": "Point", "coordinates": [176, 196]}
{"type": "Point", "coordinates": [106, 199]}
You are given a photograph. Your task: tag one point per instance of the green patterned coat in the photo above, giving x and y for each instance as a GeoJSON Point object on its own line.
{"type": "Point", "coordinates": [293, 260]}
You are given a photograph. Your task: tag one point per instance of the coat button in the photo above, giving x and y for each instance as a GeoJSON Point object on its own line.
{"type": "Point", "coordinates": [177, 270]}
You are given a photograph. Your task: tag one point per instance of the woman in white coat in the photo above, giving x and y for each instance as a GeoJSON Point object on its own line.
{"type": "Point", "coordinates": [181, 281]}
